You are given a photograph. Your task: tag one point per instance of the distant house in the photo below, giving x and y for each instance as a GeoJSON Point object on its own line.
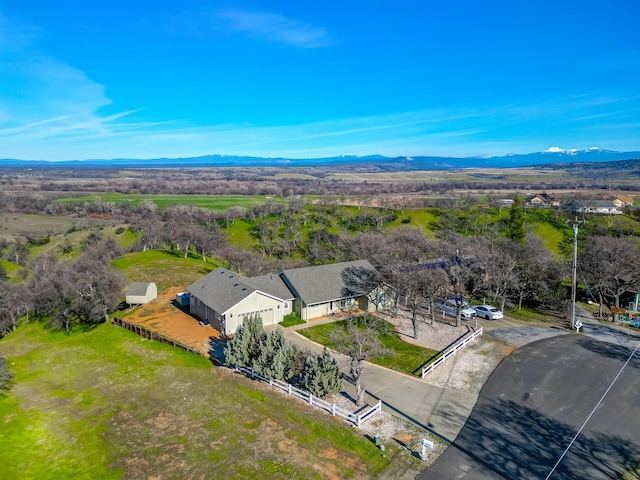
{"type": "Point", "coordinates": [224, 298]}
{"type": "Point", "coordinates": [540, 200]}
{"type": "Point", "coordinates": [139, 293]}
{"type": "Point", "coordinates": [535, 201]}
{"type": "Point", "coordinates": [622, 201]}
{"type": "Point", "coordinates": [601, 207]}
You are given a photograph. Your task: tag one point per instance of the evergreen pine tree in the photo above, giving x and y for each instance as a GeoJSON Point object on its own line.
{"type": "Point", "coordinates": [276, 357]}
{"type": "Point", "coordinates": [321, 375]}
{"type": "Point", "coordinates": [515, 224]}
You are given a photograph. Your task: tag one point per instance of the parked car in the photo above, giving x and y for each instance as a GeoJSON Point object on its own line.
{"type": "Point", "coordinates": [449, 307]}
{"type": "Point", "coordinates": [488, 311]}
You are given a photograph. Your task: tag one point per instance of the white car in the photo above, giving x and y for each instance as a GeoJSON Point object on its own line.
{"type": "Point", "coordinates": [487, 311]}
{"type": "Point", "coordinates": [449, 308]}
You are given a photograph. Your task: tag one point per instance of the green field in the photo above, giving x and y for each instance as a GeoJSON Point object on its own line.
{"type": "Point", "coordinates": [212, 202]}
{"type": "Point", "coordinates": [406, 358]}
{"type": "Point", "coordinates": [11, 268]}
{"type": "Point", "coordinates": [108, 404]}
{"type": "Point", "coordinates": [167, 268]}
{"type": "Point", "coordinates": [550, 235]}
{"type": "Point", "coordinates": [126, 239]}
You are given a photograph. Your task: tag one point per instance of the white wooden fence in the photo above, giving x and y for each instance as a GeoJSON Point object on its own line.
{"type": "Point", "coordinates": [451, 352]}
{"type": "Point", "coordinates": [333, 409]}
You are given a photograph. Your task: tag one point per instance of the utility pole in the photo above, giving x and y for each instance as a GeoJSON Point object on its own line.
{"type": "Point", "coordinates": [575, 273]}
{"type": "Point", "coordinates": [574, 281]}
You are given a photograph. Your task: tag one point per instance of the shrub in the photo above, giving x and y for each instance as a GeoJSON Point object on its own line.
{"type": "Point", "coordinates": [291, 319]}
{"type": "Point", "coordinates": [120, 230]}
{"type": "Point", "coordinates": [276, 357]}
{"type": "Point", "coordinates": [244, 347]}
{"type": "Point", "coordinates": [321, 375]}
{"type": "Point", "coordinates": [6, 378]}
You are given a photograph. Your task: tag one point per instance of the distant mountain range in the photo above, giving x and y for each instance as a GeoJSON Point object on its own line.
{"type": "Point", "coordinates": [370, 162]}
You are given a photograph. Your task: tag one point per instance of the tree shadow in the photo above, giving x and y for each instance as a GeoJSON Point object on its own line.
{"type": "Point", "coordinates": [511, 435]}
{"type": "Point", "coordinates": [606, 349]}
{"type": "Point", "coordinates": [512, 441]}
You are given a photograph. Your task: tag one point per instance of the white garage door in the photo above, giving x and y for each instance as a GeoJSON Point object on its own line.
{"type": "Point", "coordinates": [267, 315]}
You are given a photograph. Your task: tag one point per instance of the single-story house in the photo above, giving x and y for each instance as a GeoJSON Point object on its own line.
{"type": "Point", "coordinates": [622, 201]}
{"type": "Point", "coordinates": [224, 298]}
{"type": "Point", "coordinates": [540, 200]}
{"type": "Point", "coordinates": [535, 201]}
{"type": "Point", "coordinates": [139, 293]}
{"type": "Point", "coordinates": [602, 207]}
{"type": "Point", "coordinates": [322, 290]}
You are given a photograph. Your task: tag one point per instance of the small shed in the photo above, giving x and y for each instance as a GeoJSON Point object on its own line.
{"type": "Point", "coordinates": [141, 292]}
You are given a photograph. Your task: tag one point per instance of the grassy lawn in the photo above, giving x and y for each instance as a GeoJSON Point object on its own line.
{"type": "Point", "coordinates": [11, 268]}
{"type": "Point", "coordinates": [212, 202]}
{"type": "Point", "coordinates": [407, 358]}
{"type": "Point", "coordinates": [126, 239]}
{"type": "Point", "coordinates": [550, 235]}
{"type": "Point", "coordinates": [527, 314]}
{"type": "Point", "coordinates": [421, 217]}
{"type": "Point", "coordinates": [166, 268]}
{"type": "Point", "coordinates": [238, 234]}
{"type": "Point", "coordinates": [108, 404]}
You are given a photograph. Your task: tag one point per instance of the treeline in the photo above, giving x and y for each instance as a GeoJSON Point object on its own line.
{"type": "Point", "coordinates": [63, 293]}
{"type": "Point", "coordinates": [267, 181]}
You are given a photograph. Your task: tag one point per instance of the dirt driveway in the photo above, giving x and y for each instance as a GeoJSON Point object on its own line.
{"type": "Point", "coordinates": [164, 317]}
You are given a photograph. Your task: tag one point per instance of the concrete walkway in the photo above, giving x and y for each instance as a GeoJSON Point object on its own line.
{"type": "Point", "coordinates": [439, 410]}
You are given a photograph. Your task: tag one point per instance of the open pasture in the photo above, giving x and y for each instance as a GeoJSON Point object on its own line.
{"type": "Point", "coordinates": [211, 202]}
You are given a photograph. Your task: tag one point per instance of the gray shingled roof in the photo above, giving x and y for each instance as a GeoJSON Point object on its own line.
{"type": "Point", "coordinates": [222, 288]}
{"type": "Point", "coordinates": [270, 284]}
{"type": "Point", "coordinates": [322, 283]}
{"type": "Point", "coordinates": [138, 288]}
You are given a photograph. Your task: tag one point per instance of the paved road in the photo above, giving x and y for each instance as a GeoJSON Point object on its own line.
{"type": "Point", "coordinates": [537, 400]}
{"type": "Point", "coordinates": [439, 410]}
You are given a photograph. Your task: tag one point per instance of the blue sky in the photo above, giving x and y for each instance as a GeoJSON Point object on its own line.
{"type": "Point", "coordinates": [147, 79]}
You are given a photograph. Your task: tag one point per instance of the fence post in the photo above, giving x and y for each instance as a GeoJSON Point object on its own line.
{"type": "Point", "coordinates": [310, 399]}
{"type": "Point", "coordinates": [289, 388]}
{"type": "Point", "coordinates": [333, 409]}
{"type": "Point", "coordinates": [253, 373]}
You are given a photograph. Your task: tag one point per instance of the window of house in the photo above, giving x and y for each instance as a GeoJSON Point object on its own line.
{"type": "Point", "coordinates": [345, 303]}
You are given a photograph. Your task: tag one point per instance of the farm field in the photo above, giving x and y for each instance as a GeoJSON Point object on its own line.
{"type": "Point", "coordinates": [105, 404]}
{"type": "Point", "coordinates": [21, 224]}
{"type": "Point", "coordinates": [212, 202]}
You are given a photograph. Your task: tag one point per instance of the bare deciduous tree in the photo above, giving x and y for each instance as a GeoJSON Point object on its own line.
{"type": "Point", "coordinates": [611, 266]}
{"type": "Point", "coordinates": [359, 341]}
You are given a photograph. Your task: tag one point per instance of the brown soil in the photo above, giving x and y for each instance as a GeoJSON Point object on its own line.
{"type": "Point", "coordinates": [164, 317]}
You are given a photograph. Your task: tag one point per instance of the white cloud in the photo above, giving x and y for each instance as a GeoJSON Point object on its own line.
{"type": "Point", "coordinates": [275, 27]}
{"type": "Point", "coordinates": [36, 89]}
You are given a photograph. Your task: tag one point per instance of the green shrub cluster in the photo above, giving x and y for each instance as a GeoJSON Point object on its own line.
{"type": "Point", "coordinates": [273, 357]}
{"type": "Point", "coordinates": [6, 378]}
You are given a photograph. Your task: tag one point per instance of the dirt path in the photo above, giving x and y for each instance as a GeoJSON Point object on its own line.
{"type": "Point", "coordinates": [164, 317]}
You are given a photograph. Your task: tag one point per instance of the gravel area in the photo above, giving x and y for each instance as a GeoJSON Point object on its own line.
{"type": "Point", "coordinates": [469, 368]}
{"type": "Point", "coordinates": [395, 434]}
{"type": "Point", "coordinates": [437, 335]}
